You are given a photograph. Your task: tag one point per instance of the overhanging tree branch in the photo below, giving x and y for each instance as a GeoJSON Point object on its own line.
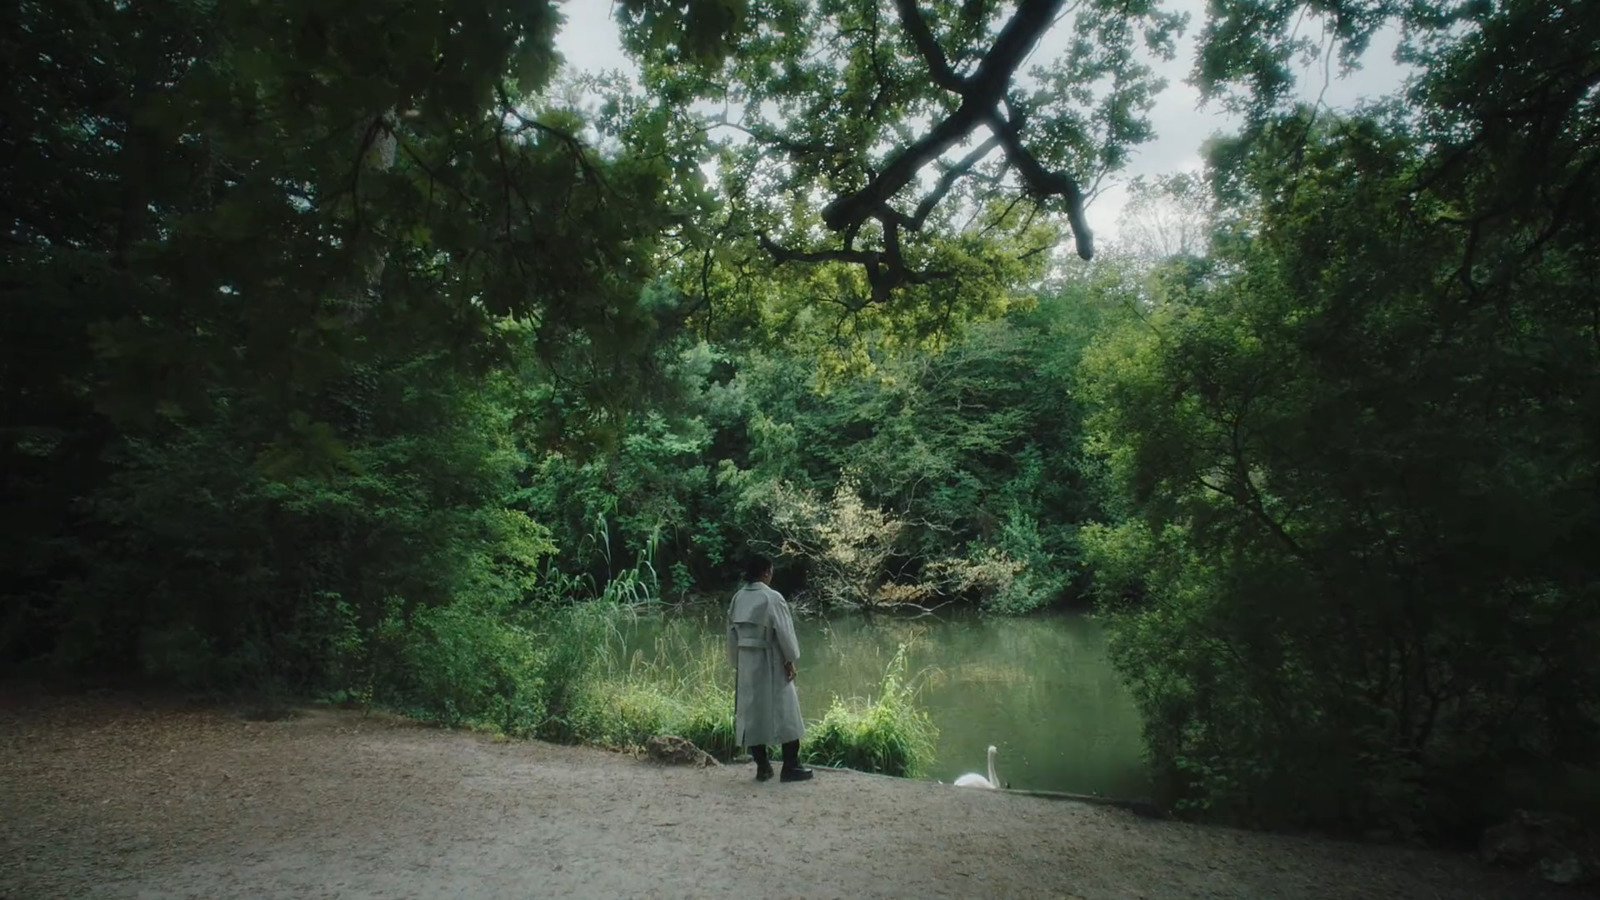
{"type": "Point", "coordinates": [886, 269]}
{"type": "Point", "coordinates": [921, 35]}
{"type": "Point", "coordinates": [947, 180]}
{"type": "Point", "coordinates": [982, 94]}
{"type": "Point", "coordinates": [1045, 183]}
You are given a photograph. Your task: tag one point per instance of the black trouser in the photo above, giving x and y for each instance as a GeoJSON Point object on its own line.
{"type": "Point", "coordinates": [791, 755]}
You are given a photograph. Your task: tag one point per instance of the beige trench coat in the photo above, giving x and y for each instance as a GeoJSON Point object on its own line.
{"type": "Point", "coordinates": [760, 638]}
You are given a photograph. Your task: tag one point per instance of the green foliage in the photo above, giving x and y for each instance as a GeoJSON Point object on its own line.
{"type": "Point", "coordinates": [955, 473]}
{"type": "Point", "coordinates": [683, 687]}
{"type": "Point", "coordinates": [289, 298]}
{"type": "Point", "coordinates": [1357, 453]}
{"type": "Point", "coordinates": [523, 672]}
{"type": "Point", "coordinates": [971, 456]}
{"type": "Point", "coordinates": [888, 734]}
{"type": "Point", "coordinates": [456, 665]}
{"type": "Point", "coordinates": [1042, 577]}
{"type": "Point", "coordinates": [300, 558]}
{"type": "Point", "coordinates": [893, 162]}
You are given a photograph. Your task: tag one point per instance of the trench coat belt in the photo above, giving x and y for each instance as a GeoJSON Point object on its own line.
{"type": "Point", "coordinates": [758, 642]}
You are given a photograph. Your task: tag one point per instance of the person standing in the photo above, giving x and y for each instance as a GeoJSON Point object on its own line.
{"type": "Point", "coordinates": [762, 648]}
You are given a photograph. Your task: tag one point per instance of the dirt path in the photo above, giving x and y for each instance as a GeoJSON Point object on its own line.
{"type": "Point", "coordinates": [123, 799]}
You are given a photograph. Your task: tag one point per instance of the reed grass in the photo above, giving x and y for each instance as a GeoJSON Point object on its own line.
{"type": "Point", "coordinates": [682, 685]}
{"type": "Point", "coordinates": [889, 734]}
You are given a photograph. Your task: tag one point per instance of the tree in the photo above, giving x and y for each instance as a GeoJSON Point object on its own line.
{"type": "Point", "coordinates": [907, 144]}
{"type": "Point", "coordinates": [1358, 452]}
{"type": "Point", "coordinates": [269, 269]}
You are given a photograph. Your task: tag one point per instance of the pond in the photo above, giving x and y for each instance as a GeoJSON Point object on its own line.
{"type": "Point", "coordinates": [1040, 688]}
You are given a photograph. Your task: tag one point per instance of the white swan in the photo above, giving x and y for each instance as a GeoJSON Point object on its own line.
{"type": "Point", "coordinates": [973, 779]}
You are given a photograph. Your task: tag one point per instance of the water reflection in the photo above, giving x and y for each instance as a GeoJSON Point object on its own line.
{"type": "Point", "coordinates": [1040, 688]}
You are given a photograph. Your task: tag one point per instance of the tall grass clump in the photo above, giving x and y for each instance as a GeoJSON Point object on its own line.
{"type": "Point", "coordinates": [891, 734]}
{"type": "Point", "coordinates": [683, 686]}
{"type": "Point", "coordinates": [571, 655]}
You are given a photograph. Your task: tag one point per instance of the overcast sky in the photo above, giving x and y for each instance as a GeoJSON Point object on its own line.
{"type": "Point", "coordinates": [589, 43]}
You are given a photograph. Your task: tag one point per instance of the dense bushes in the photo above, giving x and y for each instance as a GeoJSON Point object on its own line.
{"type": "Point", "coordinates": [957, 473]}
{"type": "Point", "coordinates": [1356, 584]}
{"type": "Point", "coordinates": [270, 391]}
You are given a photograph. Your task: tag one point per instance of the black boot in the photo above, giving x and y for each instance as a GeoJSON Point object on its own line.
{"type": "Point", "coordinates": [763, 763]}
{"type": "Point", "coordinates": [792, 770]}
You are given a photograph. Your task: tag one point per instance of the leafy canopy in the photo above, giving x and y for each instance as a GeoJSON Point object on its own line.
{"type": "Point", "coordinates": [912, 156]}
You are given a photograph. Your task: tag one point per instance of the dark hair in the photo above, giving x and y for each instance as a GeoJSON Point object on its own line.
{"type": "Point", "coordinates": [755, 567]}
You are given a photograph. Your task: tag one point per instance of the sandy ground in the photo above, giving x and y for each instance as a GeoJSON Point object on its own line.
{"type": "Point", "coordinates": [120, 797]}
